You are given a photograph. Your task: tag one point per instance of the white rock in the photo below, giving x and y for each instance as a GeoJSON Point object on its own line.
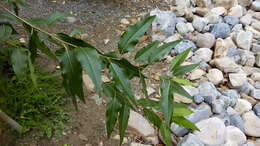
{"type": "Point", "coordinates": [190, 27]}
{"type": "Point", "coordinates": [236, 11]}
{"type": "Point", "coordinates": [246, 19]}
{"type": "Point", "coordinates": [212, 18]}
{"type": "Point", "coordinates": [215, 76]}
{"type": "Point", "coordinates": [242, 106]}
{"type": "Point", "coordinates": [225, 3]}
{"type": "Point", "coordinates": [196, 74]}
{"type": "Point", "coordinates": [256, 33]}
{"type": "Point", "coordinates": [71, 19]}
{"type": "Point", "coordinates": [141, 125]}
{"type": "Point", "coordinates": [252, 124]}
{"type": "Point", "coordinates": [237, 79]}
{"type": "Point", "coordinates": [172, 38]}
{"type": "Point", "coordinates": [206, 40]}
{"type": "Point", "coordinates": [244, 3]}
{"type": "Point", "coordinates": [219, 11]}
{"type": "Point", "coordinates": [212, 131]}
{"type": "Point", "coordinates": [221, 49]}
{"type": "Point", "coordinates": [255, 93]}
{"type": "Point", "coordinates": [256, 25]}
{"type": "Point", "coordinates": [204, 54]}
{"type": "Point", "coordinates": [257, 59]}
{"type": "Point", "coordinates": [226, 64]}
{"type": "Point", "coordinates": [256, 5]}
{"type": "Point", "coordinates": [203, 3]}
{"type": "Point", "coordinates": [199, 23]}
{"type": "Point", "coordinates": [244, 39]}
{"type": "Point", "coordinates": [88, 83]}
{"type": "Point", "coordinates": [182, 27]}
{"type": "Point", "coordinates": [183, 3]}
{"type": "Point", "coordinates": [124, 21]}
{"type": "Point", "coordinates": [255, 76]}
{"type": "Point", "coordinates": [234, 135]}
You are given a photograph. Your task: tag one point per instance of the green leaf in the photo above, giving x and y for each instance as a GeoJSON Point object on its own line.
{"type": "Point", "coordinates": [185, 123]}
{"type": "Point", "coordinates": [184, 69]}
{"type": "Point", "coordinates": [36, 42]}
{"type": "Point", "coordinates": [131, 36]}
{"type": "Point", "coordinates": [74, 41]}
{"type": "Point", "coordinates": [9, 17]}
{"type": "Point", "coordinates": [144, 53]}
{"type": "Point", "coordinates": [37, 21]}
{"type": "Point", "coordinates": [176, 88]}
{"type": "Point", "coordinates": [121, 79]}
{"type": "Point", "coordinates": [146, 102]}
{"type": "Point", "coordinates": [179, 59]}
{"type": "Point", "coordinates": [55, 17]}
{"type": "Point", "coordinates": [166, 134]}
{"type": "Point", "coordinates": [166, 102]}
{"type": "Point", "coordinates": [19, 61]}
{"type": "Point", "coordinates": [72, 75]}
{"type": "Point", "coordinates": [129, 69]}
{"type": "Point", "coordinates": [21, 3]}
{"type": "Point", "coordinates": [92, 64]}
{"type": "Point", "coordinates": [161, 51]}
{"type": "Point", "coordinates": [5, 32]}
{"type": "Point", "coordinates": [76, 31]}
{"type": "Point", "coordinates": [32, 70]}
{"type": "Point", "coordinates": [181, 111]}
{"type": "Point", "coordinates": [182, 81]}
{"type": "Point", "coordinates": [143, 83]}
{"type": "Point", "coordinates": [112, 110]}
{"type": "Point", "coordinates": [152, 117]}
{"type": "Point", "coordinates": [123, 121]}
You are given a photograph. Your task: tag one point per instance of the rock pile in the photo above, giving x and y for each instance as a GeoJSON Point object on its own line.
{"type": "Point", "coordinates": [225, 39]}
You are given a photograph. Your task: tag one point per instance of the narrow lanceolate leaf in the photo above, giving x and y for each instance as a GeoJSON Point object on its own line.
{"type": "Point", "coordinates": [181, 111]}
{"type": "Point", "coordinates": [122, 80]}
{"type": "Point", "coordinates": [184, 123]}
{"type": "Point", "coordinates": [72, 75]}
{"type": "Point", "coordinates": [166, 134]}
{"type": "Point", "coordinates": [152, 117]}
{"type": "Point", "coordinates": [130, 37]}
{"type": "Point", "coordinates": [179, 59]}
{"type": "Point", "coordinates": [5, 32]}
{"type": "Point", "coordinates": [74, 41]}
{"type": "Point", "coordinates": [184, 69]}
{"type": "Point", "coordinates": [148, 103]}
{"type": "Point", "coordinates": [112, 110]}
{"type": "Point", "coordinates": [161, 51]}
{"type": "Point", "coordinates": [143, 83]}
{"type": "Point", "coordinates": [176, 88]}
{"type": "Point", "coordinates": [144, 53]}
{"type": "Point", "coordinates": [36, 42]}
{"type": "Point", "coordinates": [182, 81]}
{"type": "Point", "coordinates": [92, 64]}
{"type": "Point", "coordinates": [129, 69]}
{"type": "Point", "coordinates": [166, 101]}
{"type": "Point", "coordinates": [55, 17]}
{"type": "Point", "coordinates": [32, 70]}
{"type": "Point", "coordinates": [19, 62]}
{"type": "Point", "coordinates": [123, 121]}
{"type": "Point", "coordinates": [9, 17]}
{"type": "Point", "coordinates": [76, 31]}
{"type": "Point", "coordinates": [110, 90]}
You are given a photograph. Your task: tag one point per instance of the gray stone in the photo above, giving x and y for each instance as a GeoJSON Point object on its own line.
{"type": "Point", "coordinates": [256, 109]}
{"type": "Point", "coordinates": [255, 93]}
{"type": "Point", "coordinates": [234, 135]}
{"type": "Point", "coordinates": [71, 19]}
{"type": "Point", "coordinates": [180, 19]}
{"type": "Point", "coordinates": [215, 76]}
{"type": "Point", "coordinates": [252, 124]}
{"type": "Point", "coordinates": [226, 64]}
{"type": "Point", "coordinates": [182, 46]}
{"type": "Point", "coordinates": [165, 21]}
{"type": "Point", "coordinates": [231, 20]}
{"type": "Point", "coordinates": [202, 112]}
{"type": "Point", "coordinates": [190, 140]}
{"type": "Point", "coordinates": [208, 99]}
{"type": "Point", "coordinates": [224, 117]}
{"type": "Point", "coordinates": [233, 96]}
{"type": "Point", "coordinates": [257, 85]}
{"type": "Point", "coordinates": [255, 76]}
{"type": "Point", "coordinates": [256, 5]}
{"type": "Point", "coordinates": [221, 30]}
{"type": "Point", "coordinates": [218, 106]}
{"type": "Point", "coordinates": [208, 89]}
{"type": "Point", "coordinates": [246, 20]}
{"type": "Point", "coordinates": [206, 40]}
{"type": "Point", "coordinates": [237, 121]}
{"type": "Point", "coordinates": [227, 101]}
{"type": "Point", "coordinates": [255, 48]}
{"type": "Point", "coordinates": [246, 57]}
{"type": "Point", "coordinates": [233, 53]}
{"type": "Point", "coordinates": [244, 3]}
{"type": "Point", "coordinates": [257, 60]}
{"type": "Point", "coordinates": [212, 131]}
{"type": "Point", "coordinates": [205, 54]}
{"type": "Point", "coordinates": [198, 99]}
{"type": "Point", "coordinates": [199, 23]}
{"type": "Point", "coordinates": [244, 39]}
{"type": "Point", "coordinates": [246, 88]}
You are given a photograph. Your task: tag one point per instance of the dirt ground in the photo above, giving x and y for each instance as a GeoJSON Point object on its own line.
{"type": "Point", "coordinates": [101, 20]}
